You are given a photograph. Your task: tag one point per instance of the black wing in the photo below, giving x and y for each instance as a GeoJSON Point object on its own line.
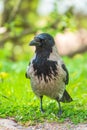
{"type": "Point", "coordinates": [66, 97]}
{"type": "Point", "coordinates": [26, 72]}
{"type": "Point", "coordinates": [67, 74]}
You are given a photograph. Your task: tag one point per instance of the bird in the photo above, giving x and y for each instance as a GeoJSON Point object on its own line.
{"type": "Point", "coordinates": [47, 72]}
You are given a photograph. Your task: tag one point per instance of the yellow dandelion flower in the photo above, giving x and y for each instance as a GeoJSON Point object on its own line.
{"type": "Point", "coordinates": [3, 75]}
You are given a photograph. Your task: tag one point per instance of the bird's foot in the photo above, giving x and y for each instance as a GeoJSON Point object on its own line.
{"type": "Point", "coordinates": [60, 113]}
{"type": "Point", "coordinates": [42, 111]}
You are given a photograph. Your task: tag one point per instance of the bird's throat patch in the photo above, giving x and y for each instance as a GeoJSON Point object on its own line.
{"type": "Point", "coordinates": [45, 69]}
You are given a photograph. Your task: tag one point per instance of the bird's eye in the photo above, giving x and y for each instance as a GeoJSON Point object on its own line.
{"type": "Point", "coordinates": [45, 40]}
{"type": "Point", "coordinates": [41, 40]}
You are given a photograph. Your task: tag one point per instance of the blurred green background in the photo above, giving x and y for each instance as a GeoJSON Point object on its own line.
{"type": "Point", "coordinates": [20, 21]}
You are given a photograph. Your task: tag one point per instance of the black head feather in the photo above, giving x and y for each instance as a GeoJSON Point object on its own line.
{"type": "Point", "coordinates": [43, 42]}
{"type": "Point", "coordinates": [46, 38]}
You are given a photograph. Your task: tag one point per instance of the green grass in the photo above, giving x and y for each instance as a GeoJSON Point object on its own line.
{"type": "Point", "coordinates": [17, 99]}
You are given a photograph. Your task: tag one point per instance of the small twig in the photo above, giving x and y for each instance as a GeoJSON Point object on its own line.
{"type": "Point", "coordinates": [7, 36]}
{"type": "Point", "coordinates": [14, 11]}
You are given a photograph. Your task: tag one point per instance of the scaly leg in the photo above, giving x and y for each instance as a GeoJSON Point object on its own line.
{"type": "Point", "coordinates": [60, 109]}
{"type": "Point", "coordinates": [41, 106]}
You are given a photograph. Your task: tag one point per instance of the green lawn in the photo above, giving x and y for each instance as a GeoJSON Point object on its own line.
{"type": "Point", "coordinates": [17, 99]}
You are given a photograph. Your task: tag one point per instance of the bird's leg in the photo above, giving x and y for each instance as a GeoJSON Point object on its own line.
{"type": "Point", "coordinates": [60, 109]}
{"type": "Point", "coordinates": [41, 107]}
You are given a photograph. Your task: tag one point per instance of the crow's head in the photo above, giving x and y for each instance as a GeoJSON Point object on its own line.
{"type": "Point", "coordinates": [43, 41]}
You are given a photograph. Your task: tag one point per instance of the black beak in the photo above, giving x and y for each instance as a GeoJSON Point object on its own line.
{"type": "Point", "coordinates": [35, 42]}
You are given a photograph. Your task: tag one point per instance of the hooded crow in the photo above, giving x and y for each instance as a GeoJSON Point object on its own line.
{"type": "Point", "coordinates": [47, 71]}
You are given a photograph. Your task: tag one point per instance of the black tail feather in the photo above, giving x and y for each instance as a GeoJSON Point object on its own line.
{"type": "Point", "coordinates": [66, 97]}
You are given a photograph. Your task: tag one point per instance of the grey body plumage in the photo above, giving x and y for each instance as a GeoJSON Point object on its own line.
{"type": "Point", "coordinates": [47, 72]}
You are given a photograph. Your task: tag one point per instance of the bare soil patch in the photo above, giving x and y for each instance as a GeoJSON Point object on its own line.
{"type": "Point", "coordinates": [8, 124]}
